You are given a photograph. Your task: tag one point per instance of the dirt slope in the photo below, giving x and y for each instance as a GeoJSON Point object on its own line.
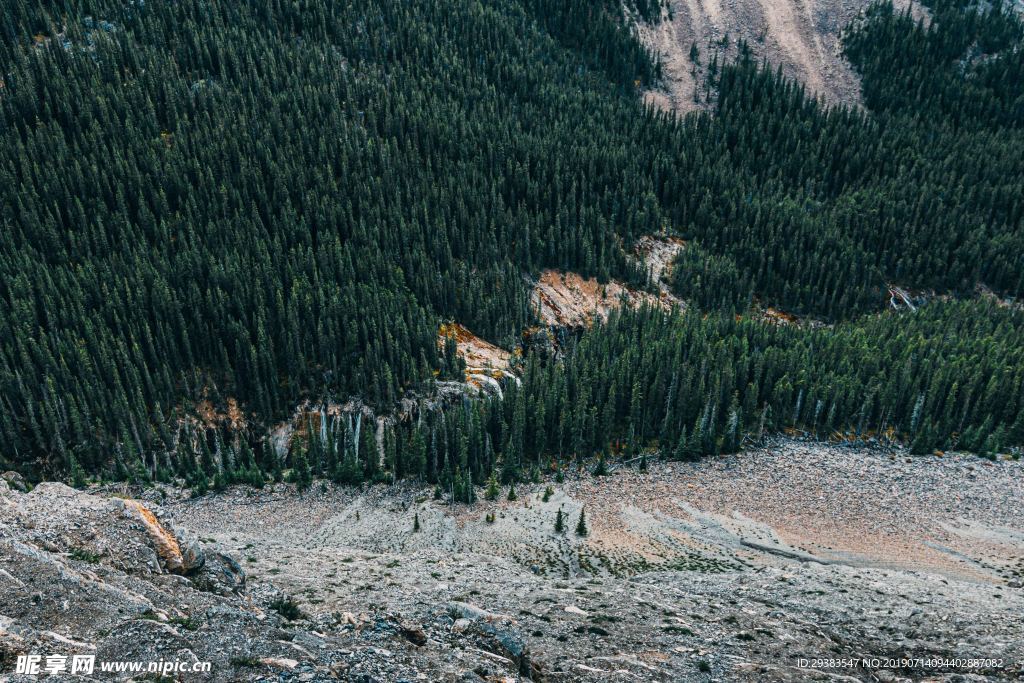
{"type": "Point", "coordinates": [801, 36]}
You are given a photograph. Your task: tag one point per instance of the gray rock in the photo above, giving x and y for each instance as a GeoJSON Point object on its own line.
{"type": "Point", "coordinates": [413, 633]}
{"type": "Point", "coordinates": [15, 481]}
{"type": "Point", "coordinates": [193, 557]}
{"type": "Point", "coordinates": [506, 642]}
{"type": "Point", "coordinates": [219, 574]}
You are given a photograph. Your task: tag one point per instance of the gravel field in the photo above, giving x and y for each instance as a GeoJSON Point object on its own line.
{"type": "Point", "coordinates": [793, 562]}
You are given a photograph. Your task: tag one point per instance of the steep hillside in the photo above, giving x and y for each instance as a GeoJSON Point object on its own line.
{"type": "Point", "coordinates": [801, 37]}
{"type": "Point", "coordinates": [196, 242]}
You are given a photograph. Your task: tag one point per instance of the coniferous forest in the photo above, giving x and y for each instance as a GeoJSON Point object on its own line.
{"type": "Point", "coordinates": [283, 201]}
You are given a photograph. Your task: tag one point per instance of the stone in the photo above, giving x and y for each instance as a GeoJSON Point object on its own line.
{"type": "Point", "coordinates": [164, 542]}
{"type": "Point", "coordinates": [193, 558]}
{"type": "Point", "coordinates": [220, 574]}
{"type": "Point", "coordinates": [413, 633]}
{"type": "Point", "coordinates": [15, 481]}
{"type": "Point", "coordinates": [507, 643]}
{"type": "Point", "coordinates": [279, 662]}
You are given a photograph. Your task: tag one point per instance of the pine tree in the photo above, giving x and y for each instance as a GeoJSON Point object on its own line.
{"type": "Point", "coordinates": [559, 522]}
{"type": "Point", "coordinates": [581, 525]}
{"type": "Point", "coordinates": [301, 476]}
{"type": "Point", "coordinates": [492, 491]}
{"type": "Point", "coordinates": [416, 523]}
{"type": "Point", "coordinates": [512, 491]}
{"type": "Point", "coordinates": [78, 478]}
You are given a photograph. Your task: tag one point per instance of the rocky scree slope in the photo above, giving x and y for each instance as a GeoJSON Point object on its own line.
{"type": "Point", "coordinates": [728, 569]}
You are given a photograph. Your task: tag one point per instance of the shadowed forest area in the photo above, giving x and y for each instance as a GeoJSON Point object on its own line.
{"type": "Point", "coordinates": [283, 201]}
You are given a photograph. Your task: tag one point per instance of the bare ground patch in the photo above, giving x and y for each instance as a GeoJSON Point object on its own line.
{"type": "Point", "coordinates": [803, 37]}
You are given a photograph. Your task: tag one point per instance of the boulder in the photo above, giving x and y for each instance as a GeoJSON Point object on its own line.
{"type": "Point", "coordinates": [164, 542]}
{"type": "Point", "coordinates": [193, 557]}
{"type": "Point", "coordinates": [15, 481]}
{"type": "Point", "coordinates": [507, 643]}
{"type": "Point", "coordinates": [219, 574]}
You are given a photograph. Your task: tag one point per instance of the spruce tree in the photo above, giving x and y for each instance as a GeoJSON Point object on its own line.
{"type": "Point", "coordinates": [302, 477]}
{"type": "Point", "coordinates": [492, 491]}
{"type": "Point", "coordinates": [78, 478]}
{"type": "Point", "coordinates": [581, 525]}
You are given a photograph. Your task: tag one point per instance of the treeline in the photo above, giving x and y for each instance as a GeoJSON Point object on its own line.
{"type": "Point", "coordinates": [278, 201]}
{"type": "Point", "coordinates": [685, 386]}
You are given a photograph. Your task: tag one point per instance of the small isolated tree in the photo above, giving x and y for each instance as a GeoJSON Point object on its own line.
{"type": "Point", "coordinates": [559, 522]}
{"type": "Point", "coordinates": [416, 522]}
{"type": "Point", "coordinates": [643, 461]}
{"type": "Point", "coordinates": [581, 525]}
{"type": "Point", "coordinates": [301, 474]}
{"type": "Point", "coordinates": [548, 492]}
{"type": "Point", "coordinates": [512, 492]}
{"type": "Point", "coordinates": [492, 487]}
{"type": "Point", "coordinates": [77, 474]}
{"type": "Point", "coordinates": [602, 466]}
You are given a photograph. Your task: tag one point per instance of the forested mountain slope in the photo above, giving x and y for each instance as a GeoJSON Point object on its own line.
{"type": "Point", "coordinates": [279, 201]}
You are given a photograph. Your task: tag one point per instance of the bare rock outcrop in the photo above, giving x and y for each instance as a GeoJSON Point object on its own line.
{"type": "Point", "coordinates": [166, 545]}
{"type": "Point", "coordinates": [13, 480]}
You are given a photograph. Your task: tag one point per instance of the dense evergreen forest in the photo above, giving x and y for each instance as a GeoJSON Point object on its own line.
{"type": "Point", "coordinates": [283, 200]}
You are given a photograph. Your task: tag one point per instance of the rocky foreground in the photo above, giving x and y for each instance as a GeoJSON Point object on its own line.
{"type": "Point", "coordinates": [779, 564]}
